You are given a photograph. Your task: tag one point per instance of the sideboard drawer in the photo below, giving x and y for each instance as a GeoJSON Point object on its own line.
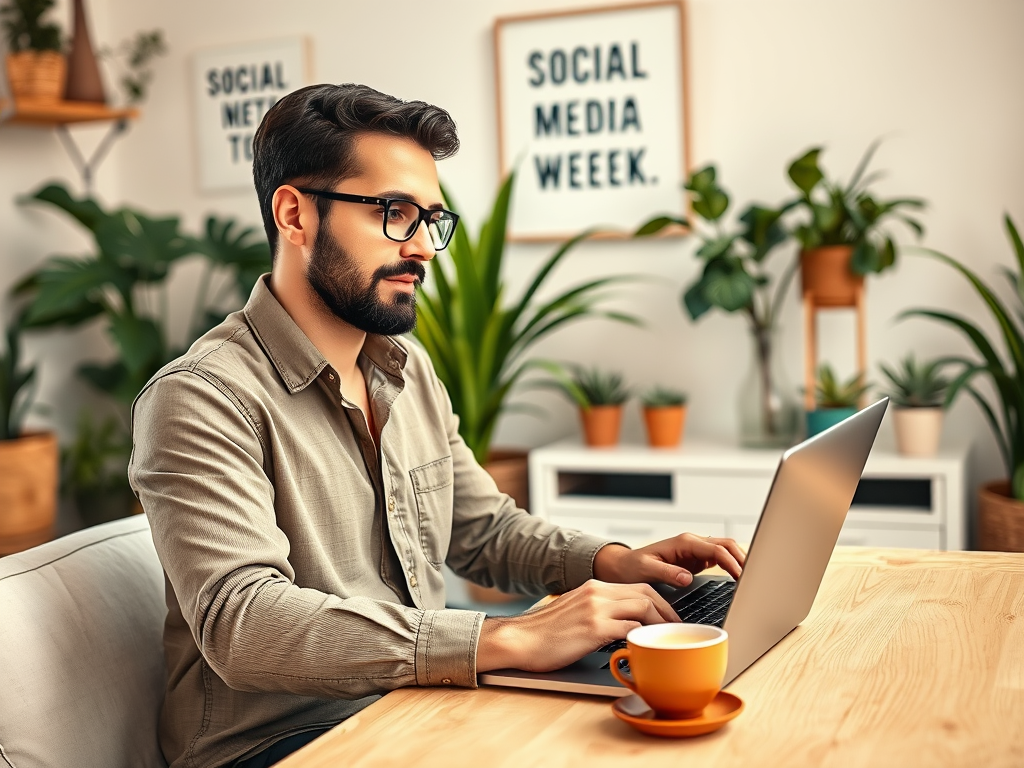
{"type": "Point", "coordinates": [638, 532]}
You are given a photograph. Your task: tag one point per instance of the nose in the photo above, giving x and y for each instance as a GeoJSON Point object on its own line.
{"type": "Point", "coordinates": [419, 246]}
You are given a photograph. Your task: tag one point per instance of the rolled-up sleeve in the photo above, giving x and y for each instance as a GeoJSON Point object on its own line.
{"type": "Point", "coordinates": [202, 472]}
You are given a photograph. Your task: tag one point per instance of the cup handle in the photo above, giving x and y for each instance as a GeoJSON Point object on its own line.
{"type": "Point", "coordinates": [622, 653]}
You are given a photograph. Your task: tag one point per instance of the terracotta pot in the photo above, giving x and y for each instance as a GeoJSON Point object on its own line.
{"type": "Point", "coordinates": [665, 425]}
{"type": "Point", "coordinates": [510, 470]}
{"type": "Point", "coordinates": [601, 425]}
{"type": "Point", "coordinates": [825, 273]}
{"type": "Point", "coordinates": [918, 430]}
{"type": "Point", "coordinates": [37, 75]}
{"type": "Point", "coordinates": [1000, 519]}
{"type": "Point", "coordinates": [28, 491]}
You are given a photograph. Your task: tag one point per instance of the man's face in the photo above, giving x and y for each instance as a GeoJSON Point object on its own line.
{"type": "Point", "coordinates": [363, 278]}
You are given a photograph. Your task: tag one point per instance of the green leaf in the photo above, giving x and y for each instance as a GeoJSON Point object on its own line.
{"type": "Point", "coordinates": [716, 247]}
{"type": "Point", "coordinates": [658, 223]}
{"type": "Point", "coordinates": [804, 171]}
{"type": "Point", "coordinates": [762, 229]}
{"type": "Point", "coordinates": [139, 340]}
{"type": "Point", "coordinates": [865, 259]}
{"type": "Point", "coordinates": [1018, 246]}
{"type": "Point", "coordinates": [71, 290]}
{"type": "Point", "coordinates": [728, 285]}
{"type": "Point", "coordinates": [86, 211]}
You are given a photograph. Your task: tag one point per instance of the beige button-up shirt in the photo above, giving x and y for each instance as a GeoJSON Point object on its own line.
{"type": "Point", "coordinates": [303, 563]}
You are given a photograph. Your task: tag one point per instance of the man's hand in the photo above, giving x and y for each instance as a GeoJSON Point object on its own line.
{"type": "Point", "coordinates": [672, 561]}
{"type": "Point", "coordinates": [570, 627]}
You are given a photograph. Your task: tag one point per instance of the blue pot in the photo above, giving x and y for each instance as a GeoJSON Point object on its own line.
{"type": "Point", "coordinates": [823, 418]}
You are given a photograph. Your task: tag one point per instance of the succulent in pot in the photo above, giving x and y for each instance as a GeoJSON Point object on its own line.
{"type": "Point", "coordinates": [664, 412]}
{"type": "Point", "coordinates": [835, 399]}
{"type": "Point", "coordinates": [918, 393]}
{"type": "Point", "coordinates": [600, 396]}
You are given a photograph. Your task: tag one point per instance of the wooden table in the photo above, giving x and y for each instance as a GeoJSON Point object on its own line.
{"type": "Point", "coordinates": [908, 658]}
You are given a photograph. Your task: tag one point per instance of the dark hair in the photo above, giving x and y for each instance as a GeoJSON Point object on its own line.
{"type": "Point", "coordinates": [307, 137]}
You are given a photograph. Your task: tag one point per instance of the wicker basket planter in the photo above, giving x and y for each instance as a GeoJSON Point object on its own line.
{"type": "Point", "coordinates": [28, 491]}
{"type": "Point", "coordinates": [1000, 519]}
{"type": "Point", "coordinates": [37, 75]}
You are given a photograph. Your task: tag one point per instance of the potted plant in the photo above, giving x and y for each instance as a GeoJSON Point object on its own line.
{"type": "Point", "coordinates": [1000, 503]}
{"type": "Point", "coordinates": [479, 341]}
{"type": "Point", "coordinates": [600, 396]}
{"type": "Point", "coordinates": [123, 285]}
{"type": "Point", "coordinates": [28, 461]}
{"type": "Point", "coordinates": [664, 416]}
{"type": "Point", "coordinates": [841, 236]}
{"type": "Point", "coordinates": [35, 63]}
{"type": "Point", "coordinates": [918, 392]}
{"type": "Point", "coordinates": [836, 400]}
{"type": "Point", "coordinates": [736, 278]}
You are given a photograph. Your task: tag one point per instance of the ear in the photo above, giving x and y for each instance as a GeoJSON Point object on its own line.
{"type": "Point", "coordinates": [295, 215]}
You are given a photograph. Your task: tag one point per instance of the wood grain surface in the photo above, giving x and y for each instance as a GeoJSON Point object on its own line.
{"type": "Point", "coordinates": [908, 658]}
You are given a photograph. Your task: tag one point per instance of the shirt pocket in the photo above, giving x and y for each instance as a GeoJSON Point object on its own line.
{"type": "Point", "coordinates": [434, 485]}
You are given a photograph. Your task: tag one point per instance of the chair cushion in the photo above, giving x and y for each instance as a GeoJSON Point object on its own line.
{"type": "Point", "coordinates": [81, 651]}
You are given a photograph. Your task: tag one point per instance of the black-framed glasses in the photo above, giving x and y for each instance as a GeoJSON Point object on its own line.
{"type": "Point", "coordinates": [402, 217]}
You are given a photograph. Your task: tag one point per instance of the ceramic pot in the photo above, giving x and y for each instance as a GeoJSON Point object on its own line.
{"type": "Point", "coordinates": [1000, 519]}
{"type": "Point", "coordinates": [665, 425]}
{"type": "Point", "coordinates": [510, 471]}
{"type": "Point", "coordinates": [601, 424]}
{"type": "Point", "coordinates": [823, 418]}
{"type": "Point", "coordinates": [37, 75]}
{"type": "Point", "coordinates": [825, 273]}
{"type": "Point", "coordinates": [28, 491]}
{"type": "Point", "coordinates": [918, 430]}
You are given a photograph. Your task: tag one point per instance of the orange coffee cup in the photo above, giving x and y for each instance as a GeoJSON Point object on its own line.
{"type": "Point", "coordinates": [676, 668]}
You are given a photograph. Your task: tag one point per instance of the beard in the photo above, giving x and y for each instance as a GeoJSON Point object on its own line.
{"type": "Point", "coordinates": [334, 274]}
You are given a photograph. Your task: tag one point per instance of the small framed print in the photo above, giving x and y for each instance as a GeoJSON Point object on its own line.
{"type": "Point", "coordinates": [592, 117]}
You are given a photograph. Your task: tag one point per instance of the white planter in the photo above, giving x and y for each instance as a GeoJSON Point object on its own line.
{"type": "Point", "coordinates": [917, 430]}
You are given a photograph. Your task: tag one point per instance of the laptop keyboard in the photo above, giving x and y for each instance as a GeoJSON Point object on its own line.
{"type": "Point", "coordinates": [708, 604]}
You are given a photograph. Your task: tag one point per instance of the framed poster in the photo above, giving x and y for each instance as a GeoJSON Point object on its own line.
{"type": "Point", "coordinates": [233, 88]}
{"type": "Point", "coordinates": [592, 117]}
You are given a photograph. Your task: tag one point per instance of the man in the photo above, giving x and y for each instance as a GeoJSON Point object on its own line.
{"type": "Point", "coordinates": [305, 480]}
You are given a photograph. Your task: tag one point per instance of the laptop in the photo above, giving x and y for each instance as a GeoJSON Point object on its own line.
{"type": "Point", "coordinates": [799, 525]}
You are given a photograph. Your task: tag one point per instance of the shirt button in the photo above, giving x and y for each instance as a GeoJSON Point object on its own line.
{"type": "Point", "coordinates": [391, 504]}
{"type": "Point", "coordinates": [330, 376]}
{"type": "Point", "coordinates": [447, 681]}
{"type": "Point", "coordinates": [412, 581]}
{"type": "Point", "coordinates": [394, 365]}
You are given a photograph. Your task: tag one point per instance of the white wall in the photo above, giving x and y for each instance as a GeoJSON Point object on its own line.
{"type": "Point", "coordinates": [941, 80]}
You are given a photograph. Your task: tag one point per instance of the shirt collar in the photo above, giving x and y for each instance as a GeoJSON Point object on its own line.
{"type": "Point", "coordinates": [297, 361]}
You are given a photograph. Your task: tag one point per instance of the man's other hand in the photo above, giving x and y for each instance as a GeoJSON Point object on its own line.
{"type": "Point", "coordinates": [672, 561]}
{"type": "Point", "coordinates": [571, 626]}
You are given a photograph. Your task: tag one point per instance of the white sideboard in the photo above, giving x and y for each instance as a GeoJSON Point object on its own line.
{"type": "Point", "coordinates": [638, 495]}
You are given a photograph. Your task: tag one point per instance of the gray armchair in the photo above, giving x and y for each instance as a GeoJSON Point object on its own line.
{"type": "Point", "coordinates": [81, 653]}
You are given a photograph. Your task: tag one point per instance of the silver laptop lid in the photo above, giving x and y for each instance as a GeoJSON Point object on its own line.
{"type": "Point", "coordinates": [796, 534]}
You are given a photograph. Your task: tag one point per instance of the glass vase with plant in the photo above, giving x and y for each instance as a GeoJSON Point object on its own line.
{"type": "Point", "coordinates": [478, 340]}
{"type": "Point", "coordinates": [1001, 508]}
{"type": "Point", "coordinates": [918, 392]}
{"type": "Point", "coordinates": [664, 412]}
{"type": "Point", "coordinates": [835, 399]}
{"type": "Point", "coordinates": [600, 396]}
{"type": "Point", "coordinates": [736, 278]}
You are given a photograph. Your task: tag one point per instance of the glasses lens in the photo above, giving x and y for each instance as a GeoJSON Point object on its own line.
{"type": "Point", "coordinates": [402, 219]}
{"type": "Point", "coordinates": [441, 227]}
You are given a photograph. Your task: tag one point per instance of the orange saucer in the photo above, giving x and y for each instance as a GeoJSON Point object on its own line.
{"type": "Point", "coordinates": [634, 710]}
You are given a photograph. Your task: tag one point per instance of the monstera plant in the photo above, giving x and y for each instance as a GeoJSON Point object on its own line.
{"type": "Point", "coordinates": [122, 285]}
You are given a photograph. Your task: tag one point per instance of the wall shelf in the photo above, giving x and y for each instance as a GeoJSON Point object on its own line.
{"type": "Point", "coordinates": [52, 113]}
